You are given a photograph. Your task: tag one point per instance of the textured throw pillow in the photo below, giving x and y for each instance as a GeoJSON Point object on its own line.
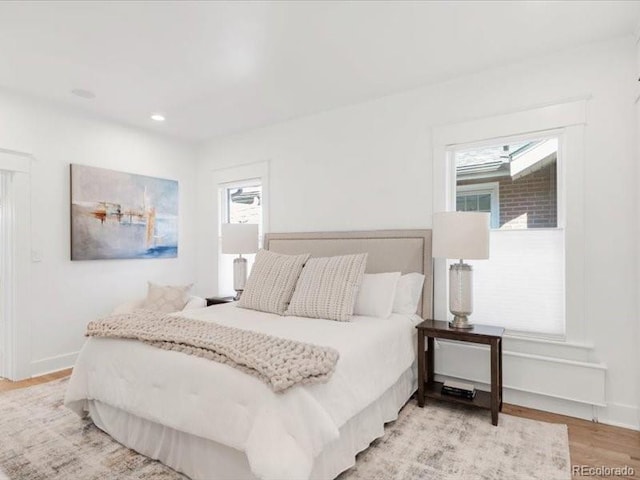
{"type": "Point", "coordinates": [376, 294]}
{"type": "Point", "coordinates": [327, 287]}
{"type": "Point", "coordinates": [408, 293]}
{"type": "Point", "coordinates": [166, 298]}
{"type": "Point", "coordinates": [272, 281]}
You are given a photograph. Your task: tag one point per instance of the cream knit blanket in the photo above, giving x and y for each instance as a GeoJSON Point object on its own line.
{"type": "Point", "coordinates": [279, 362]}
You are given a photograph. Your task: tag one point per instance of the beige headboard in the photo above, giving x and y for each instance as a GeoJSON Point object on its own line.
{"type": "Point", "coordinates": [389, 251]}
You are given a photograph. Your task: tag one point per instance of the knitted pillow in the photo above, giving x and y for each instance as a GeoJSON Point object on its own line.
{"type": "Point", "coordinates": [272, 280]}
{"type": "Point", "coordinates": [327, 287]}
{"type": "Point", "coordinates": [166, 298]}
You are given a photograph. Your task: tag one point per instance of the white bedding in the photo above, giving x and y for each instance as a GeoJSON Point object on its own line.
{"type": "Point", "coordinates": [281, 433]}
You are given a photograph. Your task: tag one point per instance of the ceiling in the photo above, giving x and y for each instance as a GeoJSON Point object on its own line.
{"type": "Point", "coordinates": [214, 68]}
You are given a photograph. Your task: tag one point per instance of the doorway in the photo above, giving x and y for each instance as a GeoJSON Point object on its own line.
{"type": "Point", "coordinates": [3, 246]}
{"type": "Point", "coordinates": [15, 260]}
{"type": "Point", "coordinates": [6, 284]}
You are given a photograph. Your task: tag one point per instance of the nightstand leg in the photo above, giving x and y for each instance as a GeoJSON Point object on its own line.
{"type": "Point", "coordinates": [500, 371]}
{"type": "Point", "coordinates": [421, 369]}
{"type": "Point", "coordinates": [495, 366]}
{"type": "Point", "coordinates": [430, 359]}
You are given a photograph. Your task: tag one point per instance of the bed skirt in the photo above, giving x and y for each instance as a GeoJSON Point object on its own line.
{"type": "Point", "coordinates": [203, 459]}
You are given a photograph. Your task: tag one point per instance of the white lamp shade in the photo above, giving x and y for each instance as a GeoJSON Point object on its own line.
{"type": "Point", "coordinates": [239, 238]}
{"type": "Point", "coordinates": [461, 235]}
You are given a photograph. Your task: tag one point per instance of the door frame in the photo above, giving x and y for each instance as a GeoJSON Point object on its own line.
{"type": "Point", "coordinates": [15, 264]}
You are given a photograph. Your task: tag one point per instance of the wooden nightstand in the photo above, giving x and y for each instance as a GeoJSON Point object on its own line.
{"type": "Point", "coordinates": [484, 334]}
{"type": "Point", "coordinates": [219, 300]}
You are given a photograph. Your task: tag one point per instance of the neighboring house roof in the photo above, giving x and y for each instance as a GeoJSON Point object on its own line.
{"type": "Point", "coordinates": [494, 161]}
{"type": "Point", "coordinates": [485, 155]}
{"type": "Point", "coordinates": [477, 168]}
{"type": "Point", "coordinates": [533, 158]}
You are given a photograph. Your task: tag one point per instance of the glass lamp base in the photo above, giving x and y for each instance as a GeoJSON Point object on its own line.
{"type": "Point", "coordinates": [239, 273]}
{"type": "Point", "coordinates": [460, 321]}
{"type": "Point", "coordinates": [460, 294]}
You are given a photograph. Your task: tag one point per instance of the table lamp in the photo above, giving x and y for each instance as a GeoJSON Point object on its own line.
{"type": "Point", "coordinates": [239, 239]}
{"type": "Point", "coordinates": [461, 235]}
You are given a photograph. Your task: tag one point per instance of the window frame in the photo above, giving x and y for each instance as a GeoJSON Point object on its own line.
{"type": "Point", "coordinates": [557, 134]}
{"type": "Point", "coordinates": [493, 189]}
{"type": "Point", "coordinates": [223, 196]}
{"type": "Point", "coordinates": [215, 279]}
{"type": "Point", "coordinates": [568, 119]}
{"type": "Point", "coordinates": [223, 217]}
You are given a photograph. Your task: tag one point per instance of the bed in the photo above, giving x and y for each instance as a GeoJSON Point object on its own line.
{"type": "Point", "coordinates": [211, 421]}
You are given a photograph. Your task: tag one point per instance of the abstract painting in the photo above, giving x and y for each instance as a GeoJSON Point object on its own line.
{"type": "Point", "coordinates": [122, 215]}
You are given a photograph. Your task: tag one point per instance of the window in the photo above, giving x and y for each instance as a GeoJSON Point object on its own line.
{"type": "Point", "coordinates": [521, 286]}
{"type": "Point", "coordinates": [481, 197]}
{"type": "Point", "coordinates": [559, 303]}
{"type": "Point", "coordinates": [516, 182]}
{"type": "Point", "coordinates": [240, 202]}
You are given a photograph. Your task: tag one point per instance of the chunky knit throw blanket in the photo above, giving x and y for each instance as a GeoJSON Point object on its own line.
{"type": "Point", "coordinates": [279, 362]}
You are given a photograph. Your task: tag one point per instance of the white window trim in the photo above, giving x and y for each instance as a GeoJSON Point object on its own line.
{"type": "Point", "coordinates": [568, 118]}
{"type": "Point", "coordinates": [232, 176]}
{"type": "Point", "coordinates": [492, 188]}
{"type": "Point", "coordinates": [223, 189]}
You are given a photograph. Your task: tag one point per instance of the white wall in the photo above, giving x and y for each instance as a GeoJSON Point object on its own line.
{"type": "Point", "coordinates": [369, 166]}
{"type": "Point", "coordinates": [66, 295]}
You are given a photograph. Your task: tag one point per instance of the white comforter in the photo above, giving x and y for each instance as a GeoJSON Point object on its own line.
{"type": "Point", "coordinates": [281, 433]}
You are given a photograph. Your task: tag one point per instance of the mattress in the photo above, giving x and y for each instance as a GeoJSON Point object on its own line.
{"type": "Point", "coordinates": [280, 434]}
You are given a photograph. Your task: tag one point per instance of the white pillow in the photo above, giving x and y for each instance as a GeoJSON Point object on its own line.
{"type": "Point", "coordinates": [166, 298]}
{"type": "Point", "coordinates": [376, 294]}
{"type": "Point", "coordinates": [408, 293]}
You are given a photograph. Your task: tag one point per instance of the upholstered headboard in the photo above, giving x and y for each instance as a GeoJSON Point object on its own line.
{"type": "Point", "coordinates": [389, 251]}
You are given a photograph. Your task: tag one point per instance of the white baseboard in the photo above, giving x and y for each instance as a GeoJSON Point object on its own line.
{"type": "Point", "coordinates": [571, 380]}
{"type": "Point", "coordinates": [550, 404]}
{"type": "Point", "coordinates": [620, 415]}
{"type": "Point", "coordinates": [567, 387]}
{"type": "Point", "coordinates": [53, 364]}
{"type": "Point", "coordinates": [537, 401]}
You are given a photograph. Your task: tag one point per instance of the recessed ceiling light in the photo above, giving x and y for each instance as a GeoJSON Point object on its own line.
{"type": "Point", "coordinates": [82, 93]}
{"type": "Point", "coordinates": [157, 117]}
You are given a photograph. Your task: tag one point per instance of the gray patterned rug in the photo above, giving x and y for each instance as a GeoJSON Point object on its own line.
{"type": "Point", "coordinates": [40, 439]}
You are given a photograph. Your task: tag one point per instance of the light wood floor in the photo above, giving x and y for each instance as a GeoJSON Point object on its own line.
{"type": "Point", "coordinates": [6, 385]}
{"type": "Point", "coordinates": [592, 444]}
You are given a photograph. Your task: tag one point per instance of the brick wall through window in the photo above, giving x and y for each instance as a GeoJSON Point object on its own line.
{"type": "Point", "coordinates": [527, 202]}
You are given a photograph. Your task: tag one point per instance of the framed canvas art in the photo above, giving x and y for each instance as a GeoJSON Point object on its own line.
{"type": "Point", "coordinates": [122, 215]}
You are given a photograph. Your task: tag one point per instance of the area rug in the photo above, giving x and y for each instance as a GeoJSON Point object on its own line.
{"type": "Point", "coordinates": [41, 439]}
